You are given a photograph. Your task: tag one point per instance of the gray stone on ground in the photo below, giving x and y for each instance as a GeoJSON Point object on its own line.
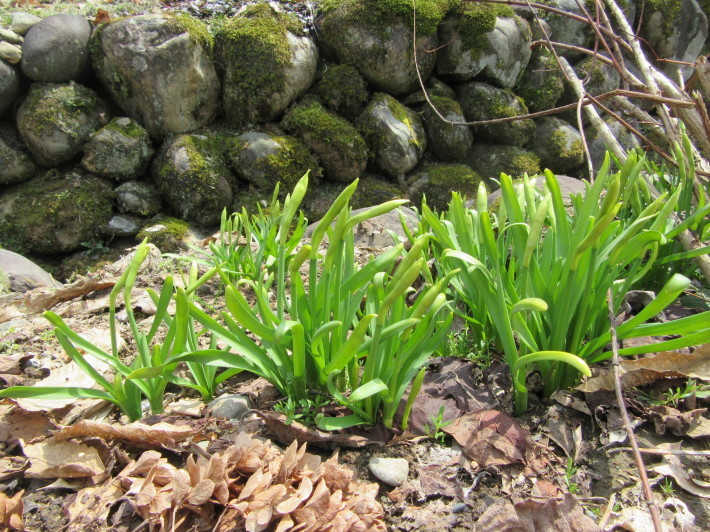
{"type": "Point", "coordinates": [9, 86]}
{"type": "Point", "coordinates": [170, 235]}
{"type": "Point", "coordinates": [121, 150]}
{"type": "Point", "coordinates": [340, 148]}
{"type": "Point", "coordinates": [157, 73]}
{"type": "Point", "coordinates": [193, 177]}
{"type": "Point", "coordinates": [393, 133]}
{"type": "Point", "coordinates": [481, 101]}
{"type": "Point", "coordinates": [21, 274]}
{"type": "Point", "coordinates": [54, 216]}
{"type": "Point", "coordinates": [10, 53]}
{"type": "Point", "coordinates": [558, 144]}
{"type": "Point", "coordinates": [15, 166]}
{"type": "Point", "coordinates": [263, 75]}
{"type": "Point", "coordinates": [138, 197]}
{"type": "Point", "coordinates": [381, 49]}
{"type": "Point", "coordinates": [124, 225]}
{"type": "Point", "coordinates": [265, 160]}
{"type": "Point", "coordinates": [501, 58]}
{"type": "Point", "coordinates": [391, 471]}
{"type": "Point", "coordinates": [490, 160]}
{"type": "Point", "coordinates": [22, 22]}
{"type": "Point", "coordinates": [448, 142]}
{"type": "Point", "coordinates": [229, 406]}
{"type": "Point", "coordinates": [56, 120]}
{"type": "Point", "coordinates": [56, 49]}
{"type": "Point", "coordinates": [343, 90]}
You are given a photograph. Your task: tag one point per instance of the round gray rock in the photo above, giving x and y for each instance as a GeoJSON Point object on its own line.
{"type": "Point", "coordinates": [54, 216]}
{"type": "Point", "coordinates": [120, 150]}
{"type": "Point", "coordinates": [558, 144]}
{"type": "Point", "coordinates": [501, 58]}
{"type": "Point", "coordinates": [157, 73]}
{"type": "Point", "coordinates": [490, 160]}
{"type": "Point", "coordinates": [193, 177]}
{"type": "Point", "coordinates": [57, 49]}
{"type": "Point", "coordinates": [381, 49]}
{"type": "Point", "coordinates": [56, 120]}
{"type": "Point", "coordinates": [265, 160]}
{"type": "Point", "coordinates": [394, 133]}
{"type": "Point", "coordinates": [392, 471]}
{"type": "Point", "coordinates": [448, 142]}
{"type": "Point", "coordinates": [124, 225]}
{"type": "Point", "coordinates": [15, 166]}
{"type": "Point", "coordinates": [10, 52]}
{"type": "Point", "coordinates": [22, 22]}
{"type": "Point", "coordinates": [22, 274]}
{"type": "Point", "coordinates": [481, 101]}
{"type": "Point", "coordinates": [229, 406]}
{"type": "Point", "coordinates": [136, 197]}
{"type": "Point", "coordinates": [9, 86]}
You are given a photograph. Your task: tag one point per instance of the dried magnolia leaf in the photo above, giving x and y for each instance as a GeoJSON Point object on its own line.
{"type": "Point", "coordinates": [159, 435]}
{"type": "Point", "coordinates": [66, 459]}
{"type": "Point", "coordinates": [90, 509]}
{"type": "Point", "coordinates": [11, 509]}
{"type": "Point", "coordinates": [665, 365]}
{"type": "Point", "coordinates": [489, 437]}
{"type": "Point", "coordinates": [17, 424]}
{"type": "Point", "coordinates": [11, 364]}
{"type": "Point", "coordinates": [671, 466]}
{"type": "Point", "coordinates": [276, 425]}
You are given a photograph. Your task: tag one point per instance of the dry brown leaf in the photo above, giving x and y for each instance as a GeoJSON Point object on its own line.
{"type": "Point", "coordinates": [671, 466]}
{"type": "Point", "coordinates": [489, 437]}
{"type": "Point", "coordinates": [665, 365]}
{"type": "Point", "coordinates": [90, 509]}
{"type": "Point", "coordinates": [11, 509]}
{"type": "Point", "coordinates": [277, 426]}
{"type": "Point", "coordinates": [532, 515]}
{"type": "Point", "coordinates": [11, 364]}
{"type": "Point", "coordinates": [66, 459]}
{"type": "Point", "coordinates": [161, 434]}
{"type": "Point", "coordinates": [669, 418]}
{"type": "Point", "coordinates": [17, 424]}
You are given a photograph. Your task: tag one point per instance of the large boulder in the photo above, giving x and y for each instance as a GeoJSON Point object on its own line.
{"type": "Point", "coordinates": [448, 142]}
{"type": "Point", "coordinates": [393, 133]}
{"type": "Point", "coordinates": [267, 63]}
{"type": "Point", "coordinates": [56, 49]}
{"type": "Point", "coordinates": [542, 83]}
{"type": "Point", "coordinates": [487, 41]}
{"type": "Point", "coordinates": [264, 160]}
{"type": "Point", "coordinates": [55, 215]}
{"type": "Point", "coordinates": [9, 85]}
{"type": "Point", "coordinates": [193, 176]}
{"type": "Point", "coordinates": [56, 120]}
{"type": "Point", "coordinates": [121, 150]}
{"type": "Point", "coordinates": [558, 144]}
{"type": "Point", "coordinates": [338, 145]}
{"type": "Point", "coordinates": [436, 182]}
{"type": "Point", "coordinates": [481, 101]}
{"type": "Point", "coordinates": [15, 166]}
{"type": "Point", "coordinates": [158, 69]}
{"type": "Point", "coordinates": [376, 38]}
{"type": "Point", "coordinates": [491, 160]}
{"type": "Point", "coordinates": [567, 30]}
{"type": "Point", "coordinates": [677, 31]}
{"type": "Point", "coordinates": [343, 89]}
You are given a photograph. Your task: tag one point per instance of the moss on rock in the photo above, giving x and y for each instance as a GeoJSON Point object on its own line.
{"type": "Point", "coordinates": [343, 90]}
{"type": "Point", "coordinates": [383, 12]}
{"type": "Point", "coordinates": [55, 216]}
{"type": "Point", "coordinates": [167, 234]}
{"type": "Point", "coordinates": [436, 182]}
{"type": "Point", "coordinates": [542, 83]}
{"type": "Point", "coordinates": [491, 160]}
{"type": "Point", "coordinates": [197, 30]}
{"type": "Point", "coordinates": [478, 19]}
{"type": "Point", "coordinates": [340, 147]}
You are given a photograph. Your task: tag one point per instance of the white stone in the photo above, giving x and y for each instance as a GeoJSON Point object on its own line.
{"type": "Point", "coordinates": [10, 53]}
{"type": "Point", "coordinates": [392, 471]}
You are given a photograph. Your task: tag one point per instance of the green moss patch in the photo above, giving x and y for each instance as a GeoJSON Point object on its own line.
{"type": "Point", "coordinates": [167, 234]}
{"type": "Point", "coordinates": [343, 89]}
{"type": "Point", "coordinates": [478, 19]}
{"type": "Point", "coordinates": [197, 30]}
{"type": "Point", "coordinates": [383, 12]}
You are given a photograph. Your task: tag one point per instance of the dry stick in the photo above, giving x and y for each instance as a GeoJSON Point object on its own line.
{"type": "Point", "coordinates": [648, 495]}
{"type": "Point", "coordinates": [660, 451]}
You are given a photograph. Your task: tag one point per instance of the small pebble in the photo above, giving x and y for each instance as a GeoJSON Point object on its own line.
{"type": "Point", "coordinates": [22, 22]}
{"type": "Point", "coordinates": [458, 507]}
{"type": "Point", "coordinates": [392, 471]}
{"type": "Point", "coordinates": [229, 406]}
{"type": "Point", "coordinates": [10, 53]}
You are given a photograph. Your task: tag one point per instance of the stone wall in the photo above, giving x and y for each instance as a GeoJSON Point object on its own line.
{"type": "Point", "coordinates": [105, 126]}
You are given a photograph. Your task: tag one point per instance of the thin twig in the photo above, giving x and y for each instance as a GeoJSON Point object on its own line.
{"type": "Point", "coordinates": [644, 450]}
{"type": "Point", "coordinates": [648, 495]}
